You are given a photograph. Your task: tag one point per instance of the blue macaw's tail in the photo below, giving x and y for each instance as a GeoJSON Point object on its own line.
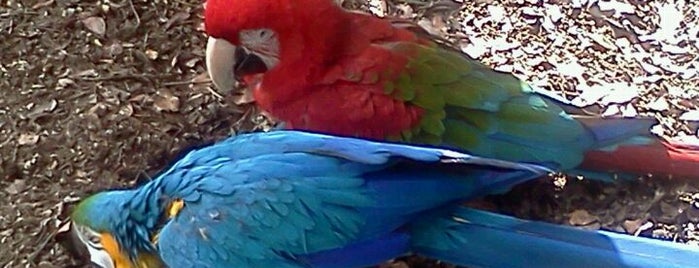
{"type": "Point", "coordinates": [476, 238]}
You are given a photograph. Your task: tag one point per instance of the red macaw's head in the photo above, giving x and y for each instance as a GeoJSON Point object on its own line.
{"type": "Point", "coordinates": [248, 37]}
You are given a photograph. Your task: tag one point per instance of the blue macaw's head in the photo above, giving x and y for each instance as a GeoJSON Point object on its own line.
{"type": "Point", "coordinates": [100, 233]}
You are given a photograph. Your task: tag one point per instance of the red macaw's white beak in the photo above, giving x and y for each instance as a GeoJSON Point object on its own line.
{"type": "Point", "coordinates": [220, 62]}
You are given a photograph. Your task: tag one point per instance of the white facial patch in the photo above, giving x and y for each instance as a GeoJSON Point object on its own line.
{"type": "Point", "coordinates": [264, 43]}
{"type": "Point", "coordinates": [98, 255]}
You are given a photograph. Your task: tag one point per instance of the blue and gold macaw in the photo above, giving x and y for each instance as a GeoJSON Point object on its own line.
{"type": "Point", "coordinates": [295, 199]}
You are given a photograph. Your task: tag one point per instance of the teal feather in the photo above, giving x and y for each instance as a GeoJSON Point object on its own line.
{"type": "Point", "coordinates": [468, 106]}
{"type": "Point", "coordinates": [282, 197]}
{"type": "Point", "coordinates": [294, 199]}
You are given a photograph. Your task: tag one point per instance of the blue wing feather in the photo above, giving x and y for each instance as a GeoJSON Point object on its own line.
{"type": "Point", "coordinates": [361, 254]}
{"type": "Point", "coordinates": [308, 200]}
{"type": "Point", "coordinates": [270, 198]}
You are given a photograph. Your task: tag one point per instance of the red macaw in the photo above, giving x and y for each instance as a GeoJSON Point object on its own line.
{"type": "Point", "coordinates": [316, 66]}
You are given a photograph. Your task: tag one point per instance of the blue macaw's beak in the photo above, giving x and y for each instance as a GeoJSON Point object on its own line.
{"type": "Point", "coordinates": [67, 236]}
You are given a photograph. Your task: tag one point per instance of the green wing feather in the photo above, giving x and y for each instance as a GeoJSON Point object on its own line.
{"type": "Point", "coordinates": [470, 106]}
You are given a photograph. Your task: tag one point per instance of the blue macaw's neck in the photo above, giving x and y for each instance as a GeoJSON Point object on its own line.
{"type": "Point", "coordinates": [143, 213]}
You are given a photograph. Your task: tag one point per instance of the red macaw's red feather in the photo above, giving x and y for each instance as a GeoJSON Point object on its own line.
{"type": "Point", "coordinates": [353, 86]}
{"type": "Point", "coordinates": [662, 158]}
{"type": "Point", "coordinates": [390, 116]}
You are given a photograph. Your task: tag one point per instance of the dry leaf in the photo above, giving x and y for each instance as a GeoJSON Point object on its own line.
{"type": "Point", "coordinates": [620, 92]}
{"type": "Point", "coordinates": [497, 13]}
{"type": "Point", "coordinates": [244, 97]}
{"type": "Point", "coordinates": [16, 187]}
{"type": "Point", "coordinates": [87, 73]}
{"type": "Point", "coordinates": [64, 82]}
{"type": "Point", "coordinates": [660, 104]}
{"type": "Point", "coordinates": [95, 25]}
{"type": "Point", "coordinates": [126, 110]}
{"type": "Point", "coordinates": [611, 110]}
{"type": "Point", "coordinates": [200, 82]}
{"type": "Point", "coordinates": [429, 26]}
{"type": "Point", "coordinates": [42, 4]}
{"type": "Point", "coordinates": [581, 217]}
{"type": "Point", "coordinates": [628, 111]}
{"type": "Point", "coordinates": [166, 101]}
{"type": "Point", "coordinates": [619, 8]}
{"type": "Point", "coordinates": [378, 7]}
{"type": "Point", "coordinates": [27, 139]}
{"type": "Point", "coordinates": [690, 116]}
{"type": "Point", "coordinates": [631, 226]}
{"type": "Point", "coordinates": [179, 16]}
{"type": "Point", "coordinates": [151, 54]}
{"type": "Point", "coordinates": [475, 50]}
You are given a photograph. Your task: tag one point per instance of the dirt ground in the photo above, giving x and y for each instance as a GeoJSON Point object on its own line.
{"type": "Point", "coordinates": [104, 94]}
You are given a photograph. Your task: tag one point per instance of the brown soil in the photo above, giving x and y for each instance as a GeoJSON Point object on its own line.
{"type": "Point", "coordinates": [104, 94]}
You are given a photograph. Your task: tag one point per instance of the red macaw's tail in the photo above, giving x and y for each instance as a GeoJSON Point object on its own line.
{"type": "Point", "coordinates": [673, 158]}
{"type": "Point", "coordinates": [627, 146]}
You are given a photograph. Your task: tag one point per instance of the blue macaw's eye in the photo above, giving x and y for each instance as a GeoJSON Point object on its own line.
{"type": "Point", "coordinates": [95, 240]}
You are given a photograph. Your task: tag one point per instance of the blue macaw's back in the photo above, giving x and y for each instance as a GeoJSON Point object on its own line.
{"type": "Point", "coordinates": [294, 199]}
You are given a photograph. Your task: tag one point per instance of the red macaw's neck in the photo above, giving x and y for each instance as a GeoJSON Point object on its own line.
{"type": "Point", "coordinates": [306, 46]}
{"type": "Point", "coordinates": [343, 81]}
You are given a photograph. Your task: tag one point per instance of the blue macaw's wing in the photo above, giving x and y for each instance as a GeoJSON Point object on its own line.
{"type": "Point", "coordinates": [294, 199]}
{"type": "Point", "coordinates": [356, 150]}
